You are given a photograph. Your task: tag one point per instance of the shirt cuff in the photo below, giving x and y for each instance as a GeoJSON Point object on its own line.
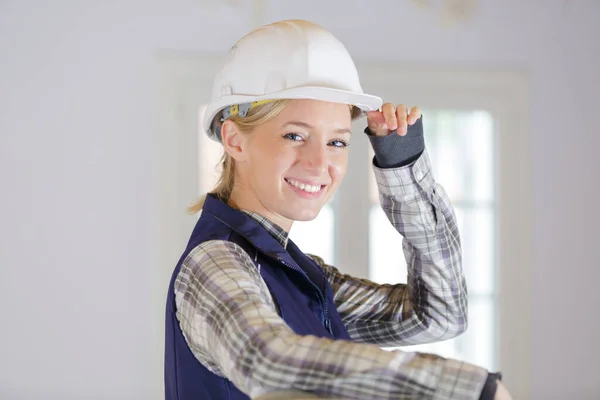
{"type": "Point", "coordinates": [490, 386]}
{"type": "Point", "coordinates": [393, 150]}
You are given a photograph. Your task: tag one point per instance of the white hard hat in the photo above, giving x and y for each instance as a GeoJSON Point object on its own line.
{"type": "Point", "coordinates": [291, 59]}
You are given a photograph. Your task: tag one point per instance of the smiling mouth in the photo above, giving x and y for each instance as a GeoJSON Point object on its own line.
{"type": "Point", "coordinates": [304, 187]}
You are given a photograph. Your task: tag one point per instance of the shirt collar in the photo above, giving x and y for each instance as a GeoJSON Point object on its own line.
{"type": "Point", "coordinates": [274, 230]}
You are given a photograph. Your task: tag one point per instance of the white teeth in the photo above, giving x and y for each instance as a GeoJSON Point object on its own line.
{"type": "Point", "coordinates": [303, 186]}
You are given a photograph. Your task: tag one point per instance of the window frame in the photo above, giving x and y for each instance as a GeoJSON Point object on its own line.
{"type": "Point", "coordinates": [505, 95]}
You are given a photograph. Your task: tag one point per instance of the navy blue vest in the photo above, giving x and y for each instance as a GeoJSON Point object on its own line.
{"type": "Point", "coordinates": [297, 284]}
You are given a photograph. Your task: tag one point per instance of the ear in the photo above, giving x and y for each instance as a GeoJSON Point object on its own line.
{"type": "Point", "coordinates": [233, 141]}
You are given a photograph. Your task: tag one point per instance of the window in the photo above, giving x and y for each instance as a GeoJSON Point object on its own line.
{"type": "Point", "coordinates": [460, 145]}
{"type": "Point", "coordinates": [317, 236]}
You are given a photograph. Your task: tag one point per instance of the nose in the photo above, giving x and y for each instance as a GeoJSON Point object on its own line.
{"type": "Point", "coordinates": [316, 159]}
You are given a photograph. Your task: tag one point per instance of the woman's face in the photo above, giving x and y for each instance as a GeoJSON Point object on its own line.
{"type": "Point", "coordinates": [289, 167]}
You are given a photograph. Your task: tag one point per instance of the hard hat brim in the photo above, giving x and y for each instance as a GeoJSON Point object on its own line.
{"type": "Point", "coordinates": [364, 102]}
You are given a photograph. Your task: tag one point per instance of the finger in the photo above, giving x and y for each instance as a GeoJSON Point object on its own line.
{"type": "Point", "coordinates": [414, 115]}
{"type": "Point", "coordinates": [390, 118]}
{"type": "Point", "coordinates": [401, 116]}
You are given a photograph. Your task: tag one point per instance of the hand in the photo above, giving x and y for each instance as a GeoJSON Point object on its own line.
{"type": "Point", "coordinates": [502, 393]}
{"type": "Point", "coordinates": [390, 118]}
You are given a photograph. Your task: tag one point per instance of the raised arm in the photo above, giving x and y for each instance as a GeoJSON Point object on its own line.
{"type": "Point", "coordinates": [432, 305]}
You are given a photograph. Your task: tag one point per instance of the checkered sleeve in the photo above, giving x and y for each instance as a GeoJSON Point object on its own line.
{"type": "Point", "coordinates": [231, 325]}
{"type": "Point", "coordinates": [432, 306]}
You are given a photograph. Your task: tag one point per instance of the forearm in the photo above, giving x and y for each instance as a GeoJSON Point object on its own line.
{"type": "Point", "coordinates": [278, 359]}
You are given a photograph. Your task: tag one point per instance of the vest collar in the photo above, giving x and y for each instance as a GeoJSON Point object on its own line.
{"type": "Point", "coordinates": [246, 226]}
{"type": "Point", "coordinates": [249, 228]}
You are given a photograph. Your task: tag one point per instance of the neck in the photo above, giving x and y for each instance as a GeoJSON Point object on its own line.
{"type": "Point", "coordinates": [248, 202]}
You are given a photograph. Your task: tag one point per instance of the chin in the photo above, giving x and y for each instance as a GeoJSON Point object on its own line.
{"type": "Point", "coordinates": [303, 215]}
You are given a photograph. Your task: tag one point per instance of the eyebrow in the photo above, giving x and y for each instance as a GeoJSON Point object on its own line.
{"type": "Point", "coordinates": [309, 126]}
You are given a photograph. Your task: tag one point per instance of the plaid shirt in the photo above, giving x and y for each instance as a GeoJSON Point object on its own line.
{"type": "Point", "coordinates": [231, 324]}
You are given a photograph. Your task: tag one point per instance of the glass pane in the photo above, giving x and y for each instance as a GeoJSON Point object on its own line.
{"type": "Point", "coordinates": [373, 191]}
{"type": "Point", "coordinates": [386, 258]}
{"type": "Point", "coordinates": [317, 236]}
{"type": "Point", "coordinates": [478, 342]}
{"type": "Point", "coordinates": [476, 345]}
{"type": "Point", "coordinates": [210, 153]}
{"type": "Point", "coordinates": [460, 145]}
{"type": "Point", "coordinates": [476, 227]}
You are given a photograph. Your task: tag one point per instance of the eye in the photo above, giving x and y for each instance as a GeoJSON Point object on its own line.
{"type": "Point", "coordinates": [339, 143]}
{"type": "Point", "coordinates": [294, 137]}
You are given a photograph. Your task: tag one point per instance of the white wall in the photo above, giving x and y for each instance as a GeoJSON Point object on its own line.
{"type": "Point", "coordinates": [78, 287]}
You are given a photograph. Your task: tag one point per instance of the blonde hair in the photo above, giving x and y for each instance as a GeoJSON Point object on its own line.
{"type": "Point", "coordinates": [256, 116]}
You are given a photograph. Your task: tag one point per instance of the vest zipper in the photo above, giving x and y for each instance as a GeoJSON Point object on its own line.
{"type": "Point", "coordinates": [324, 309]}
{"type": "Point", "coordinates": [323, 301]}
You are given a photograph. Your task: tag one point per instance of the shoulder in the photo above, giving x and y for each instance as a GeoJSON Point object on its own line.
{"type": "Point", "coordinates": [218, 271]}
{"type": "Point", "coordinates": [327, 269]}
{"type": "Point", "coordinates": [214, 258]}
{"type": "Point", "coordinates": [318, 260]}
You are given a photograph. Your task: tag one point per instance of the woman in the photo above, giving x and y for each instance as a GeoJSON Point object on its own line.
{"type": "Point", "coordinates": [248, 312]}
